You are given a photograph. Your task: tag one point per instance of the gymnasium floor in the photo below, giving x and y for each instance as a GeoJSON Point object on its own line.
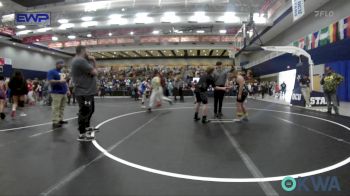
{"type": "Point", "coordinates": [148, 152]}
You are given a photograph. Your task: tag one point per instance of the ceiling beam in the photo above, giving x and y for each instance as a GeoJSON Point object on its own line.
{"type": "Point", "coordinates": [123, 53]}
{"type": "Point", "coordinates": [223, 52]}
{"type": "Point", "coordinates": [138, 54]}
{"type": "Point", "coordinates": [161, 53]}
{"type": "Point", "coordinates": [172, 51]}
{"type": "Point", "coordinates": [150, 54]}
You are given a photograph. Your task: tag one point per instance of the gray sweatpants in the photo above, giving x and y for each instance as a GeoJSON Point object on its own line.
{"type": "Point", "coordinates": [331, 98]}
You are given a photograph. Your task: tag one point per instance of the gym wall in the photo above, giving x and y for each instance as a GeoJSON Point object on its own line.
{"type": "Point", "coordinates": [31, 63]}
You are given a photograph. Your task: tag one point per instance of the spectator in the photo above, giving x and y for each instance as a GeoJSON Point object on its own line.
{"type": "Point", "coordinates": [330, 82]}
{"type": "Point", "coordinates": [59, 89]}
{"type": "Point", "coordinates": [305, 89]}
{"type": "Point", "coordinates": [18, 86]}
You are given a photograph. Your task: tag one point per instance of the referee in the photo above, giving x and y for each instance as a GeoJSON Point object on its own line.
{"type": "Point", "coordinates": [220, 77]}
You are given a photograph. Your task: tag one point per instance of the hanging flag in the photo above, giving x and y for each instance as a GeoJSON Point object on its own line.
{"type": "Point", "coordinates": [308, 42]}
{"type": "Point", "coordinates": [301, 43]}
{"type": "Point", "coordinates": [346, 28]}
{"type": "Point", "coordinates": [324, 36]}
{"type": "Point", "coordinates": [296, 43]}
{"type": "Point", "coordinates": [341, 25]}
{"type": "Point", "coordinates": [2, 61]}
{"type": "Point", "coordinates": [315, 39]}
{"type": "Point", "coordinates": [333, 32]}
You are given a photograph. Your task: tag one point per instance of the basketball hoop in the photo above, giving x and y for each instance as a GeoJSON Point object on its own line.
{"type": "Point", "coordinates": [232, 51]}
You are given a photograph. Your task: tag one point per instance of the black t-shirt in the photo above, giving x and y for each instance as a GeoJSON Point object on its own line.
{"type": "Point", "coordinates": [305, 82]}
{"type": "Point", "coordinates": [204, 82]}
{"type": "Point", "coordinates": [283, 86]}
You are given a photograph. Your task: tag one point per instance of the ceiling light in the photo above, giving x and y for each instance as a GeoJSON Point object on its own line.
{"type": "Point", "coordinates": [54, 38]}
{"type": "Point", "coordinates": [177, 31]}
{"type": "Point", "coordinates": [200, 31]}
{"type": "Point", "coordinates": [199, 17]}
{"type": "Point", "coordinates": [116, 19]}
{"type": "Point", "coordinates": [223, 31]}
{"type": "Point", "coordinates": [142, 18]}
{"type": "Point", "coordinates": [155, 32]}
{"type": "Point", "coordinates": [114, 16]}
{"type": "Point", "coordinates": [1, 4]}
{"type": "Point", "coordinates": [72, 36]}
{"type": "Point", "coordinates": [170, 17]}
{"type": "Point", "coordinates": [98, 5]}
{"type": "Point", "coordinates": [23, 32]}
{"type": "Point", "coordinates": [63, 21]}
{"type": "Point", "coordinates": [8, 18]}
{"type": "Point", "coordinates": [89, 24]}
{"type": "Point", "coordinates": [42, 30]}
{"type": "Point", "coordinates": [110, 34]}
{"type": "Point", "coordinates": [87, 18]}
{"type": "Point", "coordinates": [131, 33]}
{"type": "Point", "coordinates": [20, 27]}
{"type": "Point", "coordinates": [114, 52]}
{"type": "Point", "coordinates": [14, 44]}
{"type": "Point", "coordinates": [229, 17]}
{"type": "Point", "coordinates": [259, 18]}
{"type": "Point", "coordinates": [66, 26]}
{"type": "Point", "coordinates": [89, 35]}
{"type": "Point", "coordinates": [28, 46]}
{"type": "Point", "coordinates": [123, 9]}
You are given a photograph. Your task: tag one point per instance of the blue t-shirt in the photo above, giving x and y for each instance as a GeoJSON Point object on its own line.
{"type": "Point", "coordinates": [56, 88]}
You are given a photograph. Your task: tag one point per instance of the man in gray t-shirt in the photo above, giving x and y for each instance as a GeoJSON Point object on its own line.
{"type": "Point", "coordinates": [84, 79]}
{"type": "Point", "coordinates": [220, 77]}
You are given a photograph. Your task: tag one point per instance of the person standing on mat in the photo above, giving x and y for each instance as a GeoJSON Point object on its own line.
{"type": "Point", "coordinates": [59, 90]}
{"type": "Point", "coordinates": [84, 78]}
{"type": "Point", "coordinates": [3, 90]}
{"type": "Point", "coordinates": [330, 82]}
{"type": "Point", "coordinates": [220, 77]}
{"type": "Point", "coordinates": [305, 89]}
{"type": "Point", "coordinates": [242, 95]}
{"type": "Point", "coordinates": [201, 93]}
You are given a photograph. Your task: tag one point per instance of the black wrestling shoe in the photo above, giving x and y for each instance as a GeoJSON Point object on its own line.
{"type": "Point", "coordinates": [63, 122]}
{"type": "Point", "coordinates": [56, 125]}
{"type": "Point", "coordinates": [2, 116]}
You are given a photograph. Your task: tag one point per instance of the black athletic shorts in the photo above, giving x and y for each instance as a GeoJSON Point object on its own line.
{"type": "Point", "coordinates": [243, 98]}
{"type": "Point", "coordinates": [201, 97]}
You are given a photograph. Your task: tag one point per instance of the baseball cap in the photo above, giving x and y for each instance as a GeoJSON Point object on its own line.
{"type": "Point", "coordinates": [60, 62]}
